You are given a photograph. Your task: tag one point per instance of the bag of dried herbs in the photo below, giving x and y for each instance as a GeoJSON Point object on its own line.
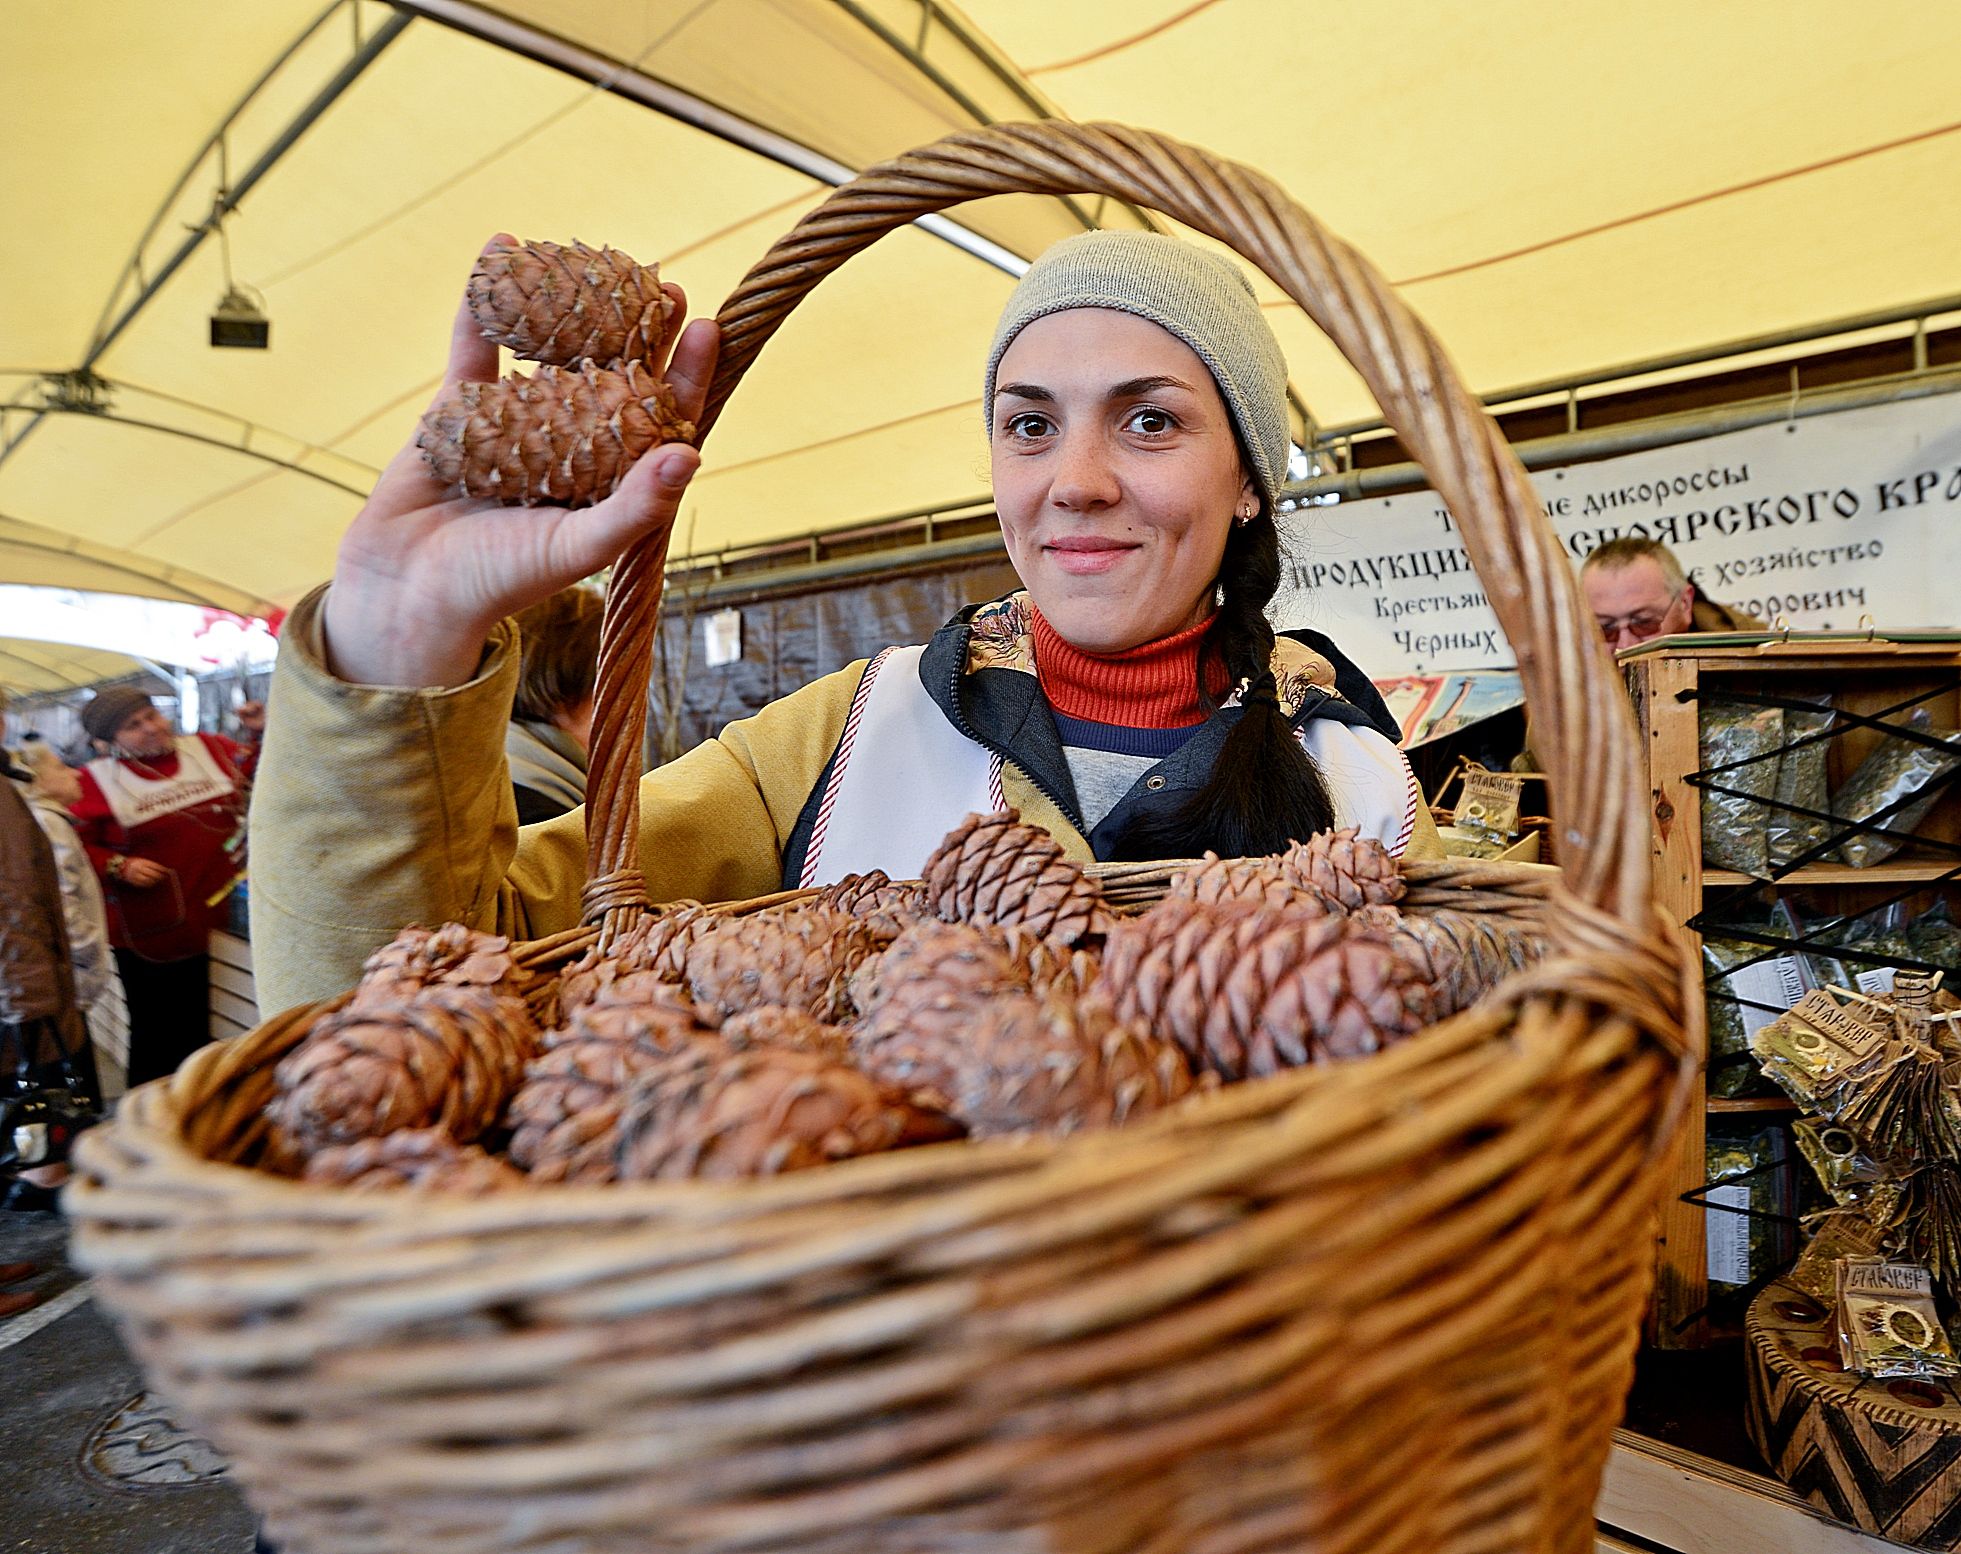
{"type": "Point", "coordinates": [1895, 770]}
{"type": "Point", "coordinates": [1734, 824]}
{"type": "Point", "coordinates": [1934, 937]}
{"type": "Point", "coordinates": [1738, 982]}
{"type": "Point", "coordinates": [1801, 784]}
{"type": "Point", "coordinates": [1749, 1169]}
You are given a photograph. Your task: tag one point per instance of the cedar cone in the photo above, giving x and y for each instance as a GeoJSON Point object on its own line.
{"type": "Point", "coordinates": [888, 905]}
{"type": "Point", "coordinates": [448, 1058]}
{"type": "Point", "coordinates": [1254, 881]}
{"type": "Point", "coordinates": [709, 1112]}
{"type": "Point", "coordinates": [1029, 1062]}
{"type": "Point", "coordinates": [426, 1159]}
{"type": "Point", "coordinates": [994, 869]}
{"type": "Point", "coordinates": [774, 1026]}
{"type": "Point", "coordinates": [570, 1100]}
{"type": "Point", "coordinates": [937, 977]}
{"type": "Point", "coordinates": [565, 435]}
{"type": "Point", "coordinates": [449, 956]}
{"type": "Point", "coordinates": [1467, 953]}
{"type": "Point", "coordinates": [802, 959]}
{"type": "Point", "coordinates": [1346, 870]}
{"type": "Point", "coordinates": [563, 305]}
{"type": "Point", "coordinates": [1246, 991]}
{"type": "Point", "coordinates": [654, 947]}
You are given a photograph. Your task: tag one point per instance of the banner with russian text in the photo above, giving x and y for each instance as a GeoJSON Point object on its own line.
{"type": "Point", "coordinates": [1823, 522]}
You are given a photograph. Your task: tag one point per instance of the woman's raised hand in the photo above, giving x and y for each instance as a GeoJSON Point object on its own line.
{"type": "Point", "coordinates": [423, 576]}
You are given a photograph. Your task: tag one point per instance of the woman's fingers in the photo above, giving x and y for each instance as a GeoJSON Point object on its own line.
{"type": "Point", "coordinates": [693, 367]}
{"type": "Point", "coordinates": [647, 502]}
{"type": "Point", "coordinates": [472, 359]}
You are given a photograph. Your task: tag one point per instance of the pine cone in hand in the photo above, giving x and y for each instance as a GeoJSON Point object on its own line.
{"type": "Point", "coordinates": [569, 1104]}
{"type": "Point", "coordinates": [1251, 881]}
{"type": "Point", "coordinates": [1468, 953]}
{"type": "Point", "coordinates": [448, 1058]}
{"type": "Point", "coordinates": [449, 956]}
{"type": "Point", "coordinates": [565, 435]}
{"type": "Point", "coordinates": [562, 305]}
{"type": "Point", "coordinates": [888, 905]}
{"type": "Point", "coordinates": [654, 948]}
{"type": "Point", "coordinates": [994, 869]}
{"type": "Point", "coordinates": [1345, 870]}
{"type": "Point", "coordinates": [801, 959]}
{"type": "Point", "coordinates": [1036, 1063]}
{"type": "Point", "coordinates": [713, 1113]}
{"type": "Point", "coordinates": [1246, 991]}
{"type": "Point", "coordinates": [426, 1159]}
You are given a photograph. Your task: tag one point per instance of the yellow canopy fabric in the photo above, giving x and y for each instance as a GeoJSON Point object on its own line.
{"type": "Point", "coordinates": [28, 666]}
{"type": "Point", "coordinates": [1555, 189]}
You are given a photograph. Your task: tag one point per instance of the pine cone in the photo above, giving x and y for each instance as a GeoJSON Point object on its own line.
{"type": "Point", "coordinates": [1467, 953]}
{"type": "Point", "coordinates": [1037, 1063]}
{"type": "Point", "coordinates": [889, 906]}
{"type": "Point", "coordinates": [923, 993]}
{"type": "Point", "coordinates": [449, 956]}
{"type": "Point", "coordinates": [801, 959]}
{"type": "Point", "coordinates": [565, 435]}
{"type": "Point", "coordinates": [994, 869]}
{"type": "Point", "coordinates": [1346, 870]}
{"type": "Point", "coordinates": [718, 1114]}
{"type": "Point", "coordinates": [654, 948]}
{"type": "Point", "coordinates": [563, 305]}
{"type": "Point", "coordinates": [775, 1026]}
{"type": "Point", "coordinates": [1252, 881]}
{"type": "Point", "coordinates": [448, 1058]}
{"type": "Point", "coordinates": [1246, 991]}
{"type": "Point", "coordinates": [426, 1159]}
{"type": "Point", "coordinates": [569, 1103]}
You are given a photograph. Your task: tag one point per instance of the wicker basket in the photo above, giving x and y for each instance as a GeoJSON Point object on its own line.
{"type": "Point", "coordinates": [1388, 1305]}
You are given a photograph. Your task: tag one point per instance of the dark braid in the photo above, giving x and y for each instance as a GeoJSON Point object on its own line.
{"type": "Point", "coordinates": [1265, 791]}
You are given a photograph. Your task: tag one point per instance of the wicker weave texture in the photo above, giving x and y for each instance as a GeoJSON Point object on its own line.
{"type": "Point", "coordinates": [1383, 1306]}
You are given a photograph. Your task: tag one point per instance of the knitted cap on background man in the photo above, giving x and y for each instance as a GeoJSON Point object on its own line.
{"type": "Point", "coordinates": [1203, 299]}
{"type": "Point", "coordinates": [110, 709]}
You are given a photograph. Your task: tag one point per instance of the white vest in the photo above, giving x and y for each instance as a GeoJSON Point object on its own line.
{"type": "Point", "coordinates": [134, 799]}
{"type": "Point", "coordinates": [904, 776]}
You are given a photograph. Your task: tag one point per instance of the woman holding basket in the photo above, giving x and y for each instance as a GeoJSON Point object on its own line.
{"type": "Point", "coordinates": [1131, 698]}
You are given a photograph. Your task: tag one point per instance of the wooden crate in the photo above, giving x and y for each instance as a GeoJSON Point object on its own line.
{"type": "Point", "coordinates": [1862, 676]}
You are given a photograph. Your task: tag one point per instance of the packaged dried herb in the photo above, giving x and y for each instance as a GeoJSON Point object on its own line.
{"type": "Point", "coordinates": [1751, 1183]}
{"type": "Point", "coordinates": [1745, 987]}
{"type": "Point", "coordinates": [1936, 938]}
{"type": "Point", "coordinates": [1895, 769]}
{"type": "Point", "coordinates": [1843, 1166]}
{"type": "Point", "coordinates": [1834, 1233]}
{"type": "Point", "coordinates": [1734, 823]}
{"type": "Point", "coordinates": [1888, 1327]}
{"type": "Point", "coordinates": [1802, 784]}
{"type": "Point", "coordinates": [1825, 1043]}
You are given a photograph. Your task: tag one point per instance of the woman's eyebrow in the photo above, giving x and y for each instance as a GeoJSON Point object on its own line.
{"type": "Point", "coordinates": [1130, 388]}
{"type": "Point", "coordinates": [1024, 391]}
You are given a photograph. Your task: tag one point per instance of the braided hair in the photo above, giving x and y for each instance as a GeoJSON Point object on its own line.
{"type": "Point", "coordinates": [1265, 790]}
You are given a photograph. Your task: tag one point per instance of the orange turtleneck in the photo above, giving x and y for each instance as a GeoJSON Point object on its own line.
{"type": "Point", "coordinates": [1152, 686]}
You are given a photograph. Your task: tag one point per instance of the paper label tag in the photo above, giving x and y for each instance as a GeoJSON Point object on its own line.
{"type": "Point", "coordinates": [1728, 1235]}
{"type": "Point", "coordinates": [722, 638]}
{"type": "Point", "coordinates": [1777, 984]}
{"type": "Point", "coordinates": [1874, 980]}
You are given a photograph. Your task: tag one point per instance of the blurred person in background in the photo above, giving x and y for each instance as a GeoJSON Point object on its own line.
{"type": "Point", "coordinates": [53, 791]}
{"type": "Point", "coordinates": [47, 1073]}
{"type": "Point", "coordinates": [1637, 590]}
{"type": "Point", "coordinates": [551, 719]}
{"type": "Point", "coordinates": [162, 815]}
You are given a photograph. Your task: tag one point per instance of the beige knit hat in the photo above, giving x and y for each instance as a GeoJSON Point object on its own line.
{"type": "Point", "coordinates": [1204, 300]}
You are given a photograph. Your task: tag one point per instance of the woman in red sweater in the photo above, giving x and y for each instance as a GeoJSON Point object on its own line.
{"type": "Point", "coordinates": [163, 817]}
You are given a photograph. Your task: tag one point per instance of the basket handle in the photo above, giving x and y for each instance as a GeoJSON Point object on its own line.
{"type": "Point", "coordinates": [1585, 727]}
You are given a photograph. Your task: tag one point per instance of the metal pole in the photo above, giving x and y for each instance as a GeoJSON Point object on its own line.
{"type": "Point", "coordinates": [1879, 318]}
{"type": "Point", "coordinates": [1634, 436]}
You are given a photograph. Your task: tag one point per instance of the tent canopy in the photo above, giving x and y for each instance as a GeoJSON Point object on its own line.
{"type": "Point", "coordinates": [1555, 189]}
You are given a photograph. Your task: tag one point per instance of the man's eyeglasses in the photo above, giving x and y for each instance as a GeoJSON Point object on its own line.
{"type": "Point", "coordinates": [1644, 623]}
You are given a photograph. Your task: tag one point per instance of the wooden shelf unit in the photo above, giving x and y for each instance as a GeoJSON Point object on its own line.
{"type": "Point", "coordinates": [1862, 677]}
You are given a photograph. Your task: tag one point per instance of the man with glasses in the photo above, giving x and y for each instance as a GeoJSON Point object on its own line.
{"type": "Point", "coordinates": [1637, 590]}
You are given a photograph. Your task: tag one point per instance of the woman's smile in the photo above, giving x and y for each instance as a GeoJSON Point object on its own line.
{"type": "Point", "coordinates": [1083, 555]}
